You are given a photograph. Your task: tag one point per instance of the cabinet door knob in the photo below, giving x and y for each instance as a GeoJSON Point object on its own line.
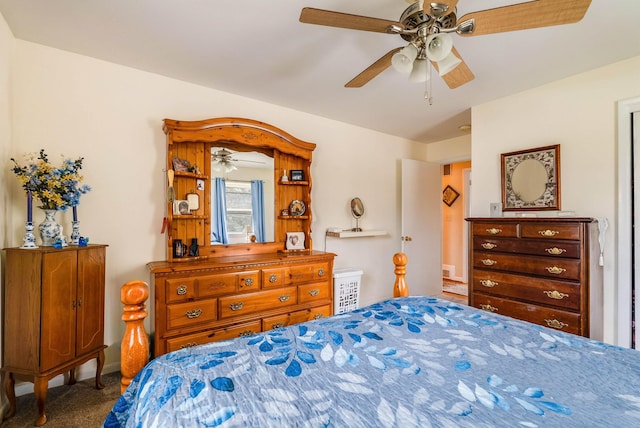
{"type": "Point", "coordinates": [488, 245]}
{"type": "Point", "coordinates": [284, 298]}
{"type": "Point", "coordinates": [277, 325]}
{"type": "Point", "coordinates": [273, 278]}
{"type": "Point", "coordinates": [320, 272]}
{"type": "Point", "coordinates": [488, 262]}
{"type": "Point", "coordinates": [181, 290]}
{"type": "Point", "coordinates": [548, 233]}
{"type": "Point", "coordinates": [314, 292]}
{"type": "Point", "coordinates": [555, 251]}
{"type": "Point", "coordinates": [555, 294]}
{"type": "Point", "coordinates": [245, 333]}
{"type": "Point", "coordinates": [488, 308]}
{"type": "Point", "coordinates": [555, 270]}
{"type": "Point", "coordinates": [494, 231]}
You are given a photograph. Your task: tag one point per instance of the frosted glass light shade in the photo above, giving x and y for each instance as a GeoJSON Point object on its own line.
{"type": "Point", "coordinates": [439, 45]}
{"type": "Point", "coordinates": [402, 60]}
{"type": "Point", "coordinates": [448, 64]}
{"type": "Point", "coordinates": [419, 71]}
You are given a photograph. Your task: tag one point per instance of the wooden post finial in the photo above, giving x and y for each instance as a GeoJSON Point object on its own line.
{"type": "Point", "coordinates": [400, 288]}
{"type": "Point", "coordinates": [134, 351]}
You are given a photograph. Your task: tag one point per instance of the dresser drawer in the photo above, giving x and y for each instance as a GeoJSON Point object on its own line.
{"type": "Point", "coordinates": [310, 272]}
{"type": "Point", "coordinates": [568, 249]}
{"type": "Point", "coordinates": [191, 313]}
{"type": "Point", "coordinates": [495, 229]}
{"type": "Point", "coordinates": [190, 340]}
{"type": "Point", "coordinates": [212, 285]}
{"type": "Point", "coordinates": [550, 231]}
{"type": "Point", "coordinates": [311, 292]}
{"type": "Point", "coordinates": [562, 294]}
{"type": "Point", "coordinates": [296, 317]}
{"type": "Point", "coordinates": [543, 266]}
{"type": "Point", "coordinates": [276, 277]}
{"type": "Point", "coordinates": [233, 306]}
{"type": "Point", "coordinates": [180, 289]}
{"type": "Point", "coordinates": [554, 318]}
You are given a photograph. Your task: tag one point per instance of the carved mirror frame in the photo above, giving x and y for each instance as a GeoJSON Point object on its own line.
{"type": "Point", "coordinates": [549, 158]}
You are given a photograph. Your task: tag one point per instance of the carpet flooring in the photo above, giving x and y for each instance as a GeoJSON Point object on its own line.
{"type": "Point", "coordinates": [455, 287]}
{"type": "Point", "coordinates": [76, 406]}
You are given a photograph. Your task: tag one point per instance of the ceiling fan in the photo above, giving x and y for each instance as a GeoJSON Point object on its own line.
{"type": "Point", "coordinates": [427, 27]}
{"type": "Point", "coordinates": [224, 159]}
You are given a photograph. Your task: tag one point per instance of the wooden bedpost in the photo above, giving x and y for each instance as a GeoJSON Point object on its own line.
{"type": "Point", "coordinates": [400, 288]}
{"type": "Point", "coordinates": [134, 351]}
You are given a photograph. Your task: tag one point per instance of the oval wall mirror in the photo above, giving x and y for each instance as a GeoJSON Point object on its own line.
{"type": "Point", "coordinates": [357, 211]}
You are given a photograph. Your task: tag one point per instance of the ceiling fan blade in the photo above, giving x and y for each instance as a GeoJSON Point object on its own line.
{"type": "Point", "coordinates": [372, 71]}
{"type": "Point", "coordinates": [439, 8]}
{"type": "Point", "coordinates": [524, 16]}
{"type": "Point", "coordinates": [310, 15]}
{"type": "Point", "coordinates": [458, 76]}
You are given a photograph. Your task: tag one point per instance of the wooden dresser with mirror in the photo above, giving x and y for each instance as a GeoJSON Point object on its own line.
{"type": "Point", "coordinates": [241, 279]}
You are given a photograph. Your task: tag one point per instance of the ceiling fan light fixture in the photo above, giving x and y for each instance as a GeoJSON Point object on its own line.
{"type": "Point", "coordinates": [419, 71]}
{"type": "Point", "coordinates": [438, 46]}
{"type": "Point", "coordinates": [402, 60]}
{"type": "Point", "coordinates": [448, 64]}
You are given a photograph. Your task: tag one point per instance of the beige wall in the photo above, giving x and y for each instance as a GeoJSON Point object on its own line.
{"type": "Point", "coordinates": [579, 113]}
{"type": "Point", "coordinates": [112, 116]}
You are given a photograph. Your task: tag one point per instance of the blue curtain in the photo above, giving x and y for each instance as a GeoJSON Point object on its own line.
{"type": "Point", "coordinates": [257, 207]}
{"type": "Point", "coordinates": [219, 214]}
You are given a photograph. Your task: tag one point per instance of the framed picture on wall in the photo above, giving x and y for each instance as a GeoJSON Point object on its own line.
{"type": "Point", "coordinates": [297, 175]}
{"type": "Point", "coordinates": [449, 195]}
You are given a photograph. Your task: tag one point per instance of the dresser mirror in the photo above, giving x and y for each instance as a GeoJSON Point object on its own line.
{"type": "Point", "coordinates": [531, 179]}
{"type": "Point", "coordinates": [230, 157]}
{"type": "Point", "coordinates": [249, 188]}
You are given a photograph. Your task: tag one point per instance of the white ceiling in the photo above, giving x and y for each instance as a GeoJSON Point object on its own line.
{"type": "Point", "coordinates": [259, 49]}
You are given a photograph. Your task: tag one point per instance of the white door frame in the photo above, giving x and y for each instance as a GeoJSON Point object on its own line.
{"type": "Point", "coordinates": [466, 176]}
{"type": "Point", "coordinates": [624, 274]}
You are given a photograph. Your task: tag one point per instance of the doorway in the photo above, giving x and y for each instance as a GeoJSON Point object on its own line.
{"type": "Point", "coordinates": [456, 185]}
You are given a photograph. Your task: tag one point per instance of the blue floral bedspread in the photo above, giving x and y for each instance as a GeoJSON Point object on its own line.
{"type": "Point", "coordinates": [406, 362]}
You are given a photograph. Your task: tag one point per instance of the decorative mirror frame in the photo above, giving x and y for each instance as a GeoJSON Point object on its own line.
{"type": "Point", "coordinates": [549, 157]}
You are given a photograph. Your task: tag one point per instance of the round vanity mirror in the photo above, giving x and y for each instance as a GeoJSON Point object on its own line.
{"type": "Point", "coordinates": [529, 180]}
{"type": "Point", "coordinates": [357, 211]}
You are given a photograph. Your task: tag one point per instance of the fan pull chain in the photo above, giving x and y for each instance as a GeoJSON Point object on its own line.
{"type": "Point", "coordinates": [427, 85]}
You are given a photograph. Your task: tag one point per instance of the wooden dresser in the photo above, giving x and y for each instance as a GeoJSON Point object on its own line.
{"type": "Point", "coordinates": [541, 270]}
{"type": "Point", "coordinates": [228, 297]}
{"type": "Point", "coordinates": [53, 316]}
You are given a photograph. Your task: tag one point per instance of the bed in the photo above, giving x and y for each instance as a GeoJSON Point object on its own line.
{"type": "Point", "coordinates": [410, 361]}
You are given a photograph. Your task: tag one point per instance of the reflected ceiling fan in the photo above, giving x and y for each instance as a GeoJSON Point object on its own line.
{"type": "Point", "coordinates": [427, 26]}
{"type": "Point", "coordinates": [224, 159]}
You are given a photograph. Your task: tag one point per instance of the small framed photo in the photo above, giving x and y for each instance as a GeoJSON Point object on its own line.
{"type": "Point", "coordinates": [180, 207]}
{"type": "Point", "coordinates": [297, 175]}
{"type": "Point", "coordinates": [295, 241]}
{"type": "Point", "coordinates": [181, 165]}
{"type": "Point", "coordinates": [449, 195]}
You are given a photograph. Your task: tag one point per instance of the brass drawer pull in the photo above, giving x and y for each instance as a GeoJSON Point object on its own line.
{"type": "Point", "coordinates": [488, 245]}
{"type": "Point", "coordinates": [494, 231]}
{"type": "Point", "coordinates": [317, 316]}
{"type": "Point", "coordinates": [194, 313]}
{"type": "Point", "coordinates": [181, 290]}
{"type": "Point", "coordinates": [488, 308]}
{"type": "Point", "coordinates": [555, 270]}
{"type": "Point", "coordinates": [236, 306]}
{"type": "Point", "coordinates": [273, 278]}
{"type": "Point", "coordinates": [555, 251]}
{"type": "Point", "coordinates": [188, 345]}
{"type": "Point", "coordinates": [556, 324]}
{"type": "Point", "coordinates": [277, 325]}
{"type": "Point", "coordinates": [488, 283]}
{"type": "Point", "coordinates": [488, 262]}
{"type": "Point", "coordinates": [245, 333]}
{"type": "Point", "coordinates": [314, 292]}
{"type": "Point", "coordinates": [320, 272]}
{"type": "Point", "coordinates": [284, 298]}
{"type": "Point", "coordinates": [548, 232]}
{"type": "Point", "coordinates": [555, 294]}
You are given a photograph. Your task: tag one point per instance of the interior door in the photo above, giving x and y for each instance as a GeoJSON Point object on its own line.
{"type": "Point", "coordinates": [422, 226]}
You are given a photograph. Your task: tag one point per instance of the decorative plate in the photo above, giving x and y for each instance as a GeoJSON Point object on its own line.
{"type": "Point", "coordinates": [297, 208]}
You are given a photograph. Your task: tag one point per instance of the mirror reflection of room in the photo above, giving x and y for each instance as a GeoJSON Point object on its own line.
{"type": "Point", "coordinates": [242, 195]}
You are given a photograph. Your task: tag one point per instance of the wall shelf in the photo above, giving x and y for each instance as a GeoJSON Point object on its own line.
{"type": "Point", "coordinates": [349, 234]}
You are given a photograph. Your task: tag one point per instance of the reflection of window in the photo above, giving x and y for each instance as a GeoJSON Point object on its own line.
{"type": "Point", "coordinates": [238, 206]}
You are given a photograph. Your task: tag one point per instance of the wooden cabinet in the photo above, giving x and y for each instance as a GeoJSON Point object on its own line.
{"type": "Point", "coordinates": [541, 270]}
{"type": "Point", "coordinates": [201, 302]}
{"type": "Point", "coordinates": [53, 316]}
